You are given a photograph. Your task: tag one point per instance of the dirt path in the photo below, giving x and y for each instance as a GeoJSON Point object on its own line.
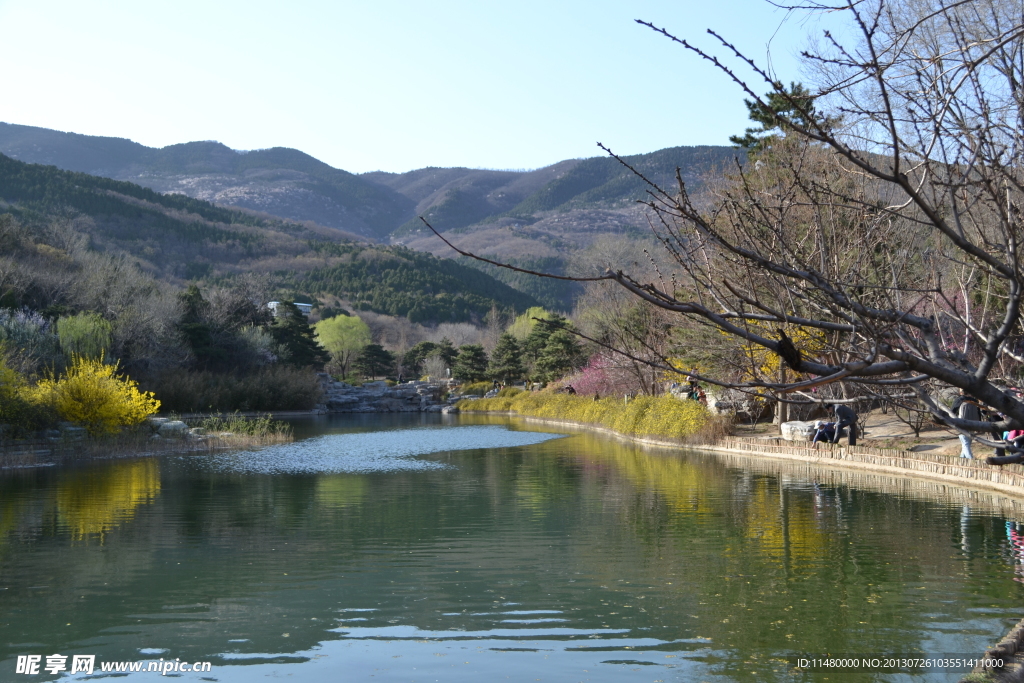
{"type": "Point", "coordinates": [887, 431]}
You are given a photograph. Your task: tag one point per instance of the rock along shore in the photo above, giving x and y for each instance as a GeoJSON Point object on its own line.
{"type": "Point", "coordinates": [378, 397]}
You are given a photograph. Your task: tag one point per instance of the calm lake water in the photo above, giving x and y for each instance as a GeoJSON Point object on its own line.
{"type": "Point", "coordinates": [422, 548]}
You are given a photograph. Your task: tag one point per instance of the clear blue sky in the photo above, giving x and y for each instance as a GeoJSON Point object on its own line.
{"type": "Point", "coordinates": [383, 85]}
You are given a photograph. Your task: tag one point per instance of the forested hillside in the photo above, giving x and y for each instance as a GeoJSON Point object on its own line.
{"type": "Point", "coordinates": [403, 282]}
{"type": "Point", "coordinates": [531, 218]}
{"type": "Point", "coordinates": [177, 238]}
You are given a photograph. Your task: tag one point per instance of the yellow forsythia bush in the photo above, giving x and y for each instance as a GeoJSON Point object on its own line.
{"type": "Point", "coordinates": [663, 416]}
{"type": "Point", "coordinates": [94, 395]}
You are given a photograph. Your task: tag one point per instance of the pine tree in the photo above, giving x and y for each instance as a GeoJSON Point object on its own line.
{"type": "Point", "coordinates": [446, 350]}
{"type": "Point", "coordinates": [561, 355]}
{"type": "Point", "coordinates": [293, 334]}
{"type": "Point", "coordinates": [196, 330]}
{"type": "Point", "coordinates": [794, 104]}
{"type": "Point", "coordinates": [506, 360]}
{"type": "Point", "coordinates": [471, 364]}
{"type": "Point", "coordinates": [412, 361]}
{"type": "Point", "coordinates": [535, 342]}
{"type": "Point", "coordinates": [374, 361]}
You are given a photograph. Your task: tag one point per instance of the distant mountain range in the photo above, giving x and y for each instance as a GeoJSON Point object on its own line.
{"type": "Point", "coordinates": [279, 181]}
{"type": "Point", "coordinates": [532, 217]}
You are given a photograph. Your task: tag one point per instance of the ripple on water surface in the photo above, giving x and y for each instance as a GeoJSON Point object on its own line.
{"type": "Point", "coordinates": [389, 451]}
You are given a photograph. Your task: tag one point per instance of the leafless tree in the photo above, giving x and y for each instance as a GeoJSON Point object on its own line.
{"type": "Point", "coordinates": [874, 242]}
{"type": "Point", "coordinates": [880, 229]}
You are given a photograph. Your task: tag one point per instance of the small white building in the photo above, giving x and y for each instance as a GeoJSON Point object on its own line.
{"type": "Point", "coordinates": [305, 308]}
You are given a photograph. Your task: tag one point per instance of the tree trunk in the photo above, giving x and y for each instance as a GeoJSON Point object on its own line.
{"type": "Point", "coordinates": [781, 408]}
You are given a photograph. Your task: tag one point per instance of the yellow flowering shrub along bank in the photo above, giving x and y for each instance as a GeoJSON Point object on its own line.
{"type": "Point", "coordinates": [93, 394]}
{"type": "Point", "coordinates": [644, 416]}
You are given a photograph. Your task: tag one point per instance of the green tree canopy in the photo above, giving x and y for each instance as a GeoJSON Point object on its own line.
{"type": "Point", "coordinates": [782, 104]}
{"type": "Point", "coordinates": [446, 350]}
{"type": "Point", "coordinates": [506, 360]}
{"type": "Point", "coordinates": [412, 361]}
{"type": "Point", "coordinates": [524, 324]}
{"type": "Point", "coordinates": [562, 354]}
{"type": "Point", "coordinates": [374, 360]}
{"type": "Point", "coordinates": [344, 337]}
{"type": "Point", "coordinates": [471, 364]}
{"type": "Point", "coordinates": [294, 337]}
{"type": "Point", "coordinates": [537, 339]}
{"type": "Point", "coordinates": [87, 335]}
{"type": "Point", "coordinates": [197, 331]}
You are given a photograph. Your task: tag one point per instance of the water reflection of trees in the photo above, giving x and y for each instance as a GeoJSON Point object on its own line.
{"type": "Point", "coordinates": [754, 559]}
{"type": "Point", "coordinates": [822, 566]}
{"type": "Point", "coordinates": [95, 500]}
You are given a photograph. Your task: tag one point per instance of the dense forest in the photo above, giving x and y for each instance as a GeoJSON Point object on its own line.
{"type": "Point", "coordinates": [402, 282]}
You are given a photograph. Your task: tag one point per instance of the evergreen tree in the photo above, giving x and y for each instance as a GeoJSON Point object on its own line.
{"type": "Point", "coordinates": [506, 360]}
{"type": "Point", "coordinates": [446, 350]}
{"type": "Point", "coordinates": [412, 361]}
{"type": "Point", "coordinates": [535, 342]}
{"type": "Point", "coordinates": [294, 336]}
{"type": "Point", "coordinates": [374, 361]}
{"type": "Point", "coordinates": [471, 364]}
{"type": "Point", "coordinates": [793, 104]}
{"type": "Point", "coordinates": [561, 355]}
{"type": "Point", "coordinates": [197, 331]}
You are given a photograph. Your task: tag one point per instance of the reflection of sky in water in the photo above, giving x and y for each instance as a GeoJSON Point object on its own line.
{"type": "Point", "coordinates": [406, 653]}
{"type": "Point", "coordinates": [389, 451]}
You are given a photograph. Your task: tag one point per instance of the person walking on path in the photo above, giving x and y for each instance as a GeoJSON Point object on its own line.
{"type": "Point", "coordinates": [845, 417]}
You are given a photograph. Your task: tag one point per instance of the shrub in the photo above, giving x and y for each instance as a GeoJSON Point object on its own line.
{"type": "Point", "coordinates": [662, 416]}
{"type": "Point", "coordinates": [275, 387]}
{"type": "Point", "coordinates": [29, 341]}
{"type": "Point", "coordinates": [509, 392]}
{"type": "Point", "coordinates": [19, 415]}
{"type": "Point", "coordinates": [94, 395]}
{"type": "Point", "coordinates": [85, 334]}
{"type": "Point", "coordinates": [476, 388]}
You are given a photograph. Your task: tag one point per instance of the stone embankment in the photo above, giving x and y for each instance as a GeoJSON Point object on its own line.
{"type": "Point", "coordinates": [378, 397]}
{"type": "Point", "coordinates": [1008, 479]}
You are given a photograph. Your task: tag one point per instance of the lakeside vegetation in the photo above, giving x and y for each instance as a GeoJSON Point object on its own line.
{"type": "Point", "coordinates": [643, 416]}
{"type": "Point", "coordinates": [79, 280]}
{"type": "Point", "coordinates": [401, 282]}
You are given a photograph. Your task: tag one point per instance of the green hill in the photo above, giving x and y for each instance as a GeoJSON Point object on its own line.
{"type": "Point", "coordinates": [178, 238]}
{"type": "Point", "coordinates": [524, 217]}
{"type": "Point", "coordinates": [403, 282]}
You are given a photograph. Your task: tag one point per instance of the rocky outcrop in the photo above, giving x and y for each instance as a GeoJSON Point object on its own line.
{"type": "Point", "coordinates": [378, 397]}
{"type": "Point", "coordinates": [742, 407]}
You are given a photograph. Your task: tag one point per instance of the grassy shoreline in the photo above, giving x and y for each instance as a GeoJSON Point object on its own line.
{"type": "Point", "coordinates": [644, 416]}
